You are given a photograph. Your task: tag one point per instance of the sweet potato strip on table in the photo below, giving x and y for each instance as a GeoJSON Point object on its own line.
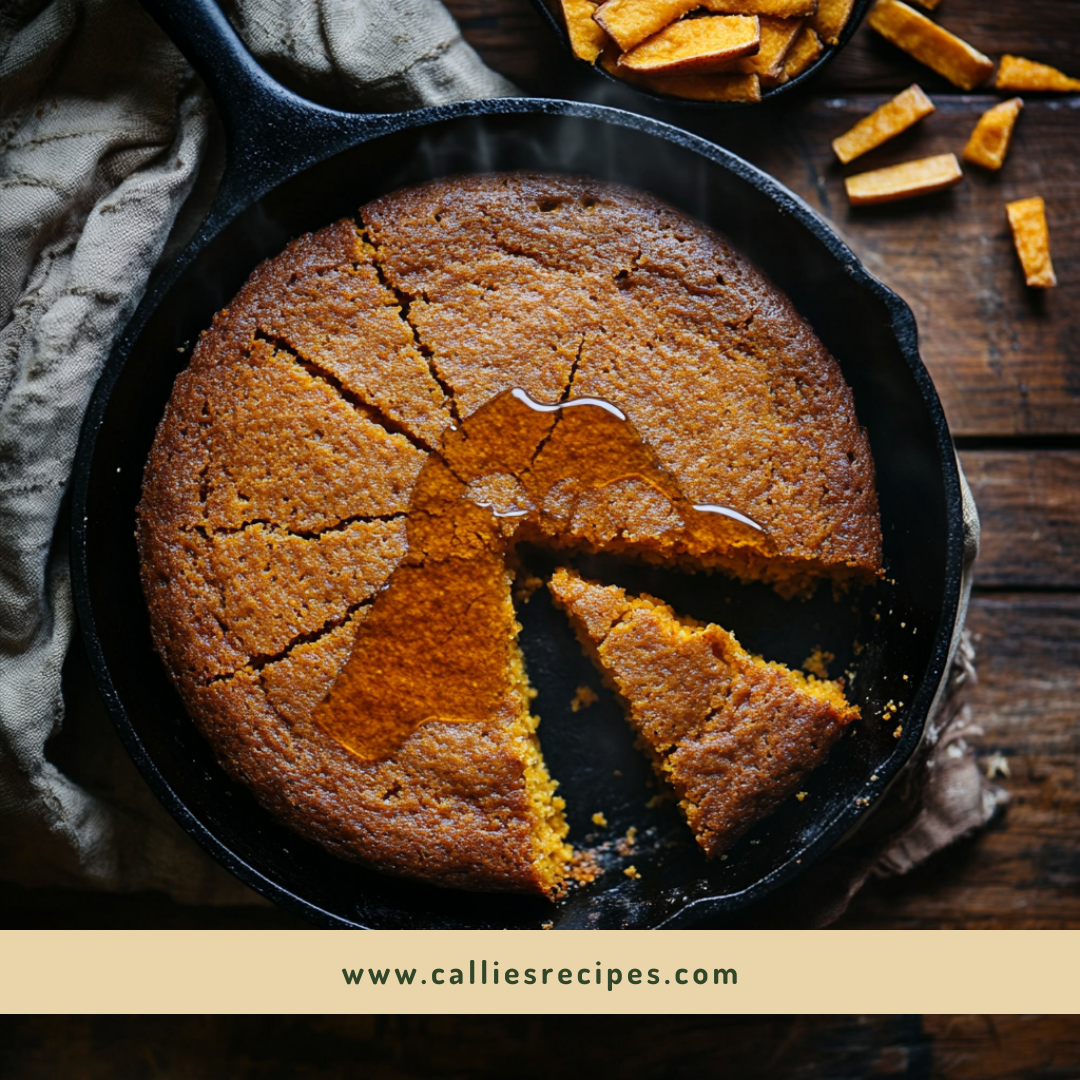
{"type": "Point", "coordinates": [905, 181]}
{"type": "Point", "coordinates": [1016, 73]}
{"type": "Point", "coordinates": [907, 108]}
{"type": "Point", "coordinates": [930, 44]}
{"type": "Point", "coordinates": [1027, 219]}
{"type": "Point", "coordinates": [989, 142]}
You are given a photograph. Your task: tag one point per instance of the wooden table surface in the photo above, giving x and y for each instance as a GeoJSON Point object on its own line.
{"type": "Point", "coordinates": [1006, 361]}
{"type": "Point", "coordinates": [482, 1047]}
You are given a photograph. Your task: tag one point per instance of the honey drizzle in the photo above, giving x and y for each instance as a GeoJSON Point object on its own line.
{"type": "Point", "coordinates": [439, 641]}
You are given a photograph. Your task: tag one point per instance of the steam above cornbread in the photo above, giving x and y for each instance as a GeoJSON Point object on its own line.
{"type": "Point", "coordinates": [334, 498]}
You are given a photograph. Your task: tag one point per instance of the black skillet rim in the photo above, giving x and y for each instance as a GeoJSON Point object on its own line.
{"type": "Point", "coordinates": [903, 325]}
{"type": "Point", "coordinates": [858, 13]}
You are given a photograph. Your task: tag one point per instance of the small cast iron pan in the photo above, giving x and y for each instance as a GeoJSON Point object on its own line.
{"type": "Point", "coordinates": [550, 12]}
{"type": "Point", "coordinates": [292, 167]}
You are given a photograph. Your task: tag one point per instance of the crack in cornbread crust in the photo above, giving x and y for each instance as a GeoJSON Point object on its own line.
{"type": "Point", "coordinates": [361, 347]}
{"type": "Point", "coordinates": [648, 312]}
{"type": "Point", "coordinates": [228, 550]}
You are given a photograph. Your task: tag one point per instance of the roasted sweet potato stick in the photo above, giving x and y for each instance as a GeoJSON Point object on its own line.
{"type": "Point", "coordinates": [695, 45]}
{"type": "Point", "coordinates": [908, 107]}
{"type": "Point", "coordinates": [587, 36]}
{"type": "Point", "coordinates": [904, 181]}
{"type": "Point", "coordinates": [928, 4]}
{"type": "Point", "coordinates": [630, 22]}
{"type": "Point", "coordinates": [1016, 73]}
{"type": "Point", "coordinates": [693, 87]}
{"type": "Point", "coordinates": [989, 142]}
{"type": "Point", "coordinates": [806, 49]}
{"type": "Point", "coordinates": [649, 43]}
{"type": "Point", "coordinates": [930, 44]}
{"type": "Point", "coordinates": [779, 9]}
{"type": "Point", "coordinates": [1027, 219]}
{"type": "Point", "coordinates": [777, 38]}
{"type": "Point", "coordinates": [830, 19]}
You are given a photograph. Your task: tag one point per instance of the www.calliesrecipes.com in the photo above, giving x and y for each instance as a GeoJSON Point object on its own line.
{"type": "Point", "coordinates": [483, 973]}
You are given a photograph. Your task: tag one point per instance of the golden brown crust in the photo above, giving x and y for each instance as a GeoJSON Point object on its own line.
{"type": "Point", "coordinates": [276, 497]}
{"type": "Point", "coordinates": [450, 806]}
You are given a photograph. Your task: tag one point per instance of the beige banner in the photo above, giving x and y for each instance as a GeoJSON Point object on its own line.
{"type": "Point", "coordinates": [706, 971]}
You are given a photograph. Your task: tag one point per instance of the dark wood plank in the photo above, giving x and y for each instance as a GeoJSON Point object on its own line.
{"type": "Point", "coordinates": [404, 1047]}
{"type": "Point", "coordinates": [510, 36]}
{"type": "Point", "coordinates": [1005, 358]}
{"type": "Point", "coordinates": [996, 1047]}
{"type": "Point", "coordinates": [1029, 504]}
{"type": "Point", "coordinates": [1024, 872]}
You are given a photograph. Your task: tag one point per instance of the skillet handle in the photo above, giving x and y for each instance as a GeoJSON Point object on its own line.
{"type": "Point", "coordinates": [271, 133]}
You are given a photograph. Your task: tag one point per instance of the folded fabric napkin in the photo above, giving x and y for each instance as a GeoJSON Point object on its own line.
{"type": "Point", "coordinates": [104, 134]}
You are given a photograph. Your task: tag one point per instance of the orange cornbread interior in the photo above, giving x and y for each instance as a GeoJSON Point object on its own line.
{"type": "Point", "coordinates": [733, 734]}
{"type": "Point", "coordinates": [573, 474]}
{"type": "Point", "coordinates": [378, 419]}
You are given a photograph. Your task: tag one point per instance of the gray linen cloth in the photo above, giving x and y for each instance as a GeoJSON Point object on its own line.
{"type": "Point", "coordinates": [104, 132]}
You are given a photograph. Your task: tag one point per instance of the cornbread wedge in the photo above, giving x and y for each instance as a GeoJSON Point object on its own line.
{"type": "Point", "coordinates": [930, 44]}
{"type": "Point", "coordinates": [1027, 219]}
{"type": "Point", "coordinates": [777, 38]}
{"type": "Point", "coordinates": [805, 51]}
{"type": "Point", "coordinates": [1016, 73]}
{"type": "Point", "coordinates": [830, 18]}
{"type": "Point", "coordinates": [904, 181]}
{"type": "Point", "coordinates": [907, 108]}
{"type": "Point", "coordinates": [989, 142]}
{"type": "Point", "coordinates": [630, 22]}
{"type": "Point", "coordinates": [695, 46]}
{"type": "Point", "coordinates": [733, 734]}
{"type": "Point", "coordinates": [779, 9]}
{"type": "Point", "coordinates": [587, 37]}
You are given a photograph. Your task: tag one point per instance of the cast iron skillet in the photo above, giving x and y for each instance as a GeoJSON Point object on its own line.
{"type": "Point", "coordinates": [550, 13]}
{"type": "Point", "coordinates": [292, 167]}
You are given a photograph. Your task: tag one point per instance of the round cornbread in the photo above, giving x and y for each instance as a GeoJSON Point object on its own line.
{"type": "Point", "coordinates": [314, 460]}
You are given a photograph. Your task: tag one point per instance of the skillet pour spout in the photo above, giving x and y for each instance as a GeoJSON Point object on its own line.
{"type": "Point", "coordinates": [294, 167]}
